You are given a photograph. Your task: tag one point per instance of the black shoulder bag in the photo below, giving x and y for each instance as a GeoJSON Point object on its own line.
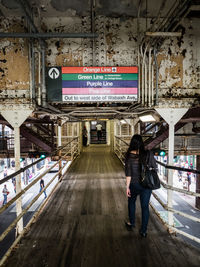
{"type": "Point", "coordinates": [149, 176]}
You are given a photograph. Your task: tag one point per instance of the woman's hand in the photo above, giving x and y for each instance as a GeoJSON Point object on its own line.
{"type": "Point", "coordinates": [128, 192]}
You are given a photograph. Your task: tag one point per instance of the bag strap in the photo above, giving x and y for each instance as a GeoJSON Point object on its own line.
{"type": "Point", "coordinates": [148, 161]}
{"type": "Point", "coordinates": [147, 158]}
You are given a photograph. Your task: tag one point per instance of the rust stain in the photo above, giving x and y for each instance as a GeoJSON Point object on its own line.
{"type": "Point", "coordinates": [16, 68]}
{"type": "Point", "coordinates": [177, 70]}
{"type": "Point", "coordinates": [14, 64]}
{"type": "Point", "coordinates": [72, 58]}
{"type": "Point", "coordinates": [111, 40]}
{"type": "Point", "coordinates": [173, 72]}
{"type": "Point", "coordinates": [110, 54]}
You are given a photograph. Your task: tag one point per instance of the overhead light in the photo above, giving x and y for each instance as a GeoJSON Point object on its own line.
{"type": "Point", "coordinates": [123, 122]}
{"type": "Point", "coordinates": [147, 118]}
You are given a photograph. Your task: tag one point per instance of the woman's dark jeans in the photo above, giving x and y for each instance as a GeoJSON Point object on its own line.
{"type": "Point", "coordinates": [145, 194]}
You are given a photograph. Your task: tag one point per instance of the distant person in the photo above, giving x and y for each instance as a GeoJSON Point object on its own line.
{"type": "Point", "coordinates": [189, 180]}
{"type": "Point", "coordinates": [85, 134]}
{"type": "Point", "coordinates": [42, 186]}
{"type": "Point", "coordinates": [5, 194]}
{"type": "Point", "coordinates": [5, 172]}
{"type": "Point", "coordinates": [135, 157]}
{"type": "Point", "coordinates": [13, 163]}
{"type": "Point", "coordinates": [186, 164]}
{"type": "Point", "coordinates": [180, 173]}
{"type": "Point", "coordinates": [99, 131]}
{"type": "Point", "coordinates": [14, 183]}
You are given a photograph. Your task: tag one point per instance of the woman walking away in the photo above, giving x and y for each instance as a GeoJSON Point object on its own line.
{"type": "Point", "coordinates": [135, 157]}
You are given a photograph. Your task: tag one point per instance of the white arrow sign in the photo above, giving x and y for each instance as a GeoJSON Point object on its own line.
{"type": "Point", "coordinates": [54, 73]}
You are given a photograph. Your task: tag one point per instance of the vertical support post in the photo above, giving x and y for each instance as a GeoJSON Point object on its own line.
{"type": "Point", "coordinates": [152, 84]}
{"type": "Point", "coordinates": [52, 134]}
{"type": "Point", "coordinates": [150, 76]}
{"type": "Point", "coordinates": [16, 115]}
{"type": "Point", "coordinates": [132, 128]}
{"type": "Point", "coordinates": [81, 124]}
{"type": "Point", "coordinates": [171, 116]}
{"type": "Point", "coordinates": [59, 135]}
{"type": "Point", "coordinates": [59, 145]}
{"type": "Point", "coordinates": [137, 128]}
{"type": "Point", "coordinates": [115, 133]}
{"type": "Point", "coordinates": [142, 87]}
{"type": "Point", "coordinates": [120, 142]}
{"type": "Point", "coordinates": [145, 84]}
{"type": "Point", "coordinates": [170, 173]}
{"type": "Point", "coordinates": [112, 136]}
{"type": "Point", "coordinates": [93, 31]}
{"type": "Point", "coordinates": [198, 183]}
{"type": "Point", "coordinates": [19, 227]}
{"type": "Point", "coordinates": [156, 65]}
{"type": "Point", "coordinates": [108, 134]}
{"type": "Point", "coordinates": [139, 100]}
{"type": "Point", "coordinates": [79, 137]}
{"type": "Point", "coordinates": [44, 93]}
{"type": "Point", "coordinates": [32, 80]}
{"type": "Point", "coordinates": [72, 144]}
{"type": "Point", "coordinates": [39, 98]}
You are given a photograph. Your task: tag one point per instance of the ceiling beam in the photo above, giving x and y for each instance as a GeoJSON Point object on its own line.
{"type": "Point", "coordinates": [47, 35]}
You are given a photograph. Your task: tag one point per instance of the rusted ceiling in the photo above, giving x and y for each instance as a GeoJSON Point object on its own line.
{"type": "Point", "coordinates": [116, 8]}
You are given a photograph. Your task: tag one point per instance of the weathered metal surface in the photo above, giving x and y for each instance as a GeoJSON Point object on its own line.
{"type": "Point", "coordinates": [14, 63]}
{"type": "Point", "coordinates": [117, 44]}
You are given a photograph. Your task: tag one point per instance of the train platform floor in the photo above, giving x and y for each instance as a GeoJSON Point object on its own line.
{"type": "Point", "coordinates": [83, 224]}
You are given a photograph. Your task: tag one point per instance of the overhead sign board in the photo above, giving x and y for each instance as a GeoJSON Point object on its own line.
{"type": "Point", "coordinates": [92, 84]}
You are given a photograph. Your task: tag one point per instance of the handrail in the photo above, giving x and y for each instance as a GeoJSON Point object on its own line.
{"type": "Point", "coordinates": [8, 177]}
{"type": "Point", "coordinates": [32, 164]}
{"type": "Point", "coordinates": [170, 187]}
{"type": "Point", "coordinates": [166, 165]}
{"type": "Point", "coordinates": [177, 168]}
{"type": "Point", "coordinates": [62, 147]}
{"type": "Point", "coordinates": [122, 140]}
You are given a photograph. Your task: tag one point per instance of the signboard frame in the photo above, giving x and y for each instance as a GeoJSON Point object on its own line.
{"type": "Point", "coordinates": [92, 84]}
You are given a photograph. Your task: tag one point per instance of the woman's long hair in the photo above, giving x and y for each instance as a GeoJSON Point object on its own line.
{"type": "Point", "coordinates": [136, 144]}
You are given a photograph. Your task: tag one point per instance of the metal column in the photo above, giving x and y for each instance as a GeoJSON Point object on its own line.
{"type": "Point", "coordinates": [171, 116]}
{"type": "Point", "coordinates": [59, 145]}
{"type": "Point", "coordinates": [19, 227]}
{"type": "Point", "coordinates": [16, 115]}
{"type": "Point", "coordinates": [197, 205]}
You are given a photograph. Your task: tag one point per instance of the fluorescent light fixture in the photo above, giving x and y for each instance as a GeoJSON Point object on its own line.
{"type": "Point", "coordinates": [93, 122]}
{"type": "Point", "coordinates": [123, 122]}
{"type": "Point", "coordinates": [147, 118]}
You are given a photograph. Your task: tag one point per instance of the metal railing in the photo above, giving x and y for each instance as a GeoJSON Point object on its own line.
{"type": "Point", "coordinates": [72, 149]}
{"type": "Point", "coordinates": [120, 149]}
